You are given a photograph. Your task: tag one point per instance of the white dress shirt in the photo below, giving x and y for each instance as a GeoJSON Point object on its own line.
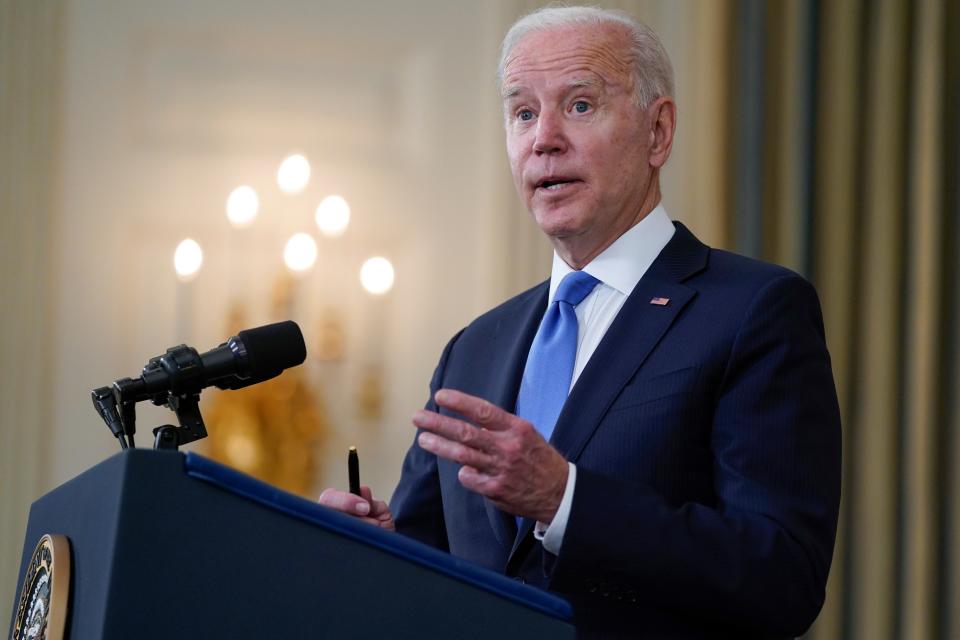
{"type": "Point", "coordinates": [618, 268]}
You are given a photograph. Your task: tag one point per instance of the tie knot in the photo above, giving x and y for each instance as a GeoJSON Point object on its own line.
{"type": "Point", "coordinates": [574, 287]}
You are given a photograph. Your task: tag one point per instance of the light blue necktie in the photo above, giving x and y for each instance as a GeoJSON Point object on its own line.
{"type": "Point", "coordinates": [549, 369]}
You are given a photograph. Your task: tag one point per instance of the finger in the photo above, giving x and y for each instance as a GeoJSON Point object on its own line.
{"type": "Point", "coordinates": [454, 430]}
{"type": "Point", "coordinates": [344, 502]}
{"type": "Point", "coordinates": [380, 510]}
{"type": "Point", "coordinates": [377, 522]}
{"type": "Point", "coordinates": [487, 485]}
{"type": "Point", "coordinates": [475, 480]}
{"type": "Point", "coordinates": [454, 451]}
{"type": "Point", "coordinates": [481, 412]}
{"type": "Point", "coordinates": [377, 507]}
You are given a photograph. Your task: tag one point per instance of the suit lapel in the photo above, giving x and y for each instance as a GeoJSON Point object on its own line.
{"type": "Point", "coordinates": [510, 345]}
{"type": "Point", "coordinates": [637, 329]}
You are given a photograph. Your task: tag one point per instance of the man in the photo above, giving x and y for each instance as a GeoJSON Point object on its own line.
{"type": "Point", "coordinates": [688, 485]}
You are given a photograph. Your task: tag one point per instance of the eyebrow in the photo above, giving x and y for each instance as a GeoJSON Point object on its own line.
{"type": "Point", "coordinates": [578, 83]}
{"type": "Point", "coordinates": [585, 82]}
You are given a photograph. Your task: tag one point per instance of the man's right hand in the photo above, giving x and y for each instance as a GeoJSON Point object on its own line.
{"type": "Point", "coordinates": [364, 507]}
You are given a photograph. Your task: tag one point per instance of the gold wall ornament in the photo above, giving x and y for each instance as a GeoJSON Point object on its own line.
{"type": "Point", "coordinates": [370, 394]}
{"type": "Point", "coordinates": [273, 431]}
{"type": "Point", "coordinates": [44, 599]}
{"type": "Point", "coordinates": [331, 340]}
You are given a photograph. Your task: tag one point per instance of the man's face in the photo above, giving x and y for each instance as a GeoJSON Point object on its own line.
{"type": "Point", "coordinates": [579, 145]}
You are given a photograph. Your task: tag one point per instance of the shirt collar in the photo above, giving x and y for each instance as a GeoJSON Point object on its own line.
{"type": "Point", "coordinates": [623, 263]}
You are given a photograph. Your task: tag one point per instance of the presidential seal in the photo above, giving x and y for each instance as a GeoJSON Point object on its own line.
{"type": "Point", "coordinates": [42, 608]}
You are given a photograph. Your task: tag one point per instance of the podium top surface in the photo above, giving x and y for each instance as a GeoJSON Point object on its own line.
{"type": "Point", "coordinates": [274, 498]}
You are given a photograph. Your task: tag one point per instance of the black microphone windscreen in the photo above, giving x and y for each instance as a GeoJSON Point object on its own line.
{"type": "Point", "coordinates": [273, 348]}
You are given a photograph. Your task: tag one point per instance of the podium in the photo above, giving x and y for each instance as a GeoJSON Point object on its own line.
{"type": "Point", "coordinates": [173, 545]}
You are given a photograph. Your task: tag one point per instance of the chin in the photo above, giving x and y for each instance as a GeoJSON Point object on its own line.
{"type": "Point", "coordinates": [558, 224]}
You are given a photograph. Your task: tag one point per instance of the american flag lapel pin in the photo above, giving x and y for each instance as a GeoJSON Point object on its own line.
{"type": "Point", "coordinates": [660, 301]}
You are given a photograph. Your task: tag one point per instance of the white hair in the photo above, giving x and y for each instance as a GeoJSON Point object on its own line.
{"type": "Point", "coordinates": [652, 72]}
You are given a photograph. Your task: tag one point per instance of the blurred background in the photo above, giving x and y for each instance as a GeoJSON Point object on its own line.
{"type": "Point", "coordinates": [342, 164]}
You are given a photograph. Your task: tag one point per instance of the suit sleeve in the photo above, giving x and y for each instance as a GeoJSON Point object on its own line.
{"type": "Point", "coordinates": [416, 504]}
{"type": "Point", "coordinates": [760, 555]}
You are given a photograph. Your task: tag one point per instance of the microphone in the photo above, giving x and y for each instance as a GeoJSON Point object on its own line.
{"type": "Point", "coordinates": [252, 356]}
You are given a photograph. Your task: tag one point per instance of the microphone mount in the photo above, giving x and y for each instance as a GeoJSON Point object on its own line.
{"type": "Point", "coordinates": [116, 404]}
{"type": "Point", "coordinates": [187, 408]}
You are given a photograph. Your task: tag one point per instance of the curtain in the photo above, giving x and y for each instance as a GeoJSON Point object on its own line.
{"type": "Point", "coordinates": [844, 121]}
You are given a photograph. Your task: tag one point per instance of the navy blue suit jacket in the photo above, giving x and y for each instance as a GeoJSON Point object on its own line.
{"type": "Point", "coordinates": [706, 435]}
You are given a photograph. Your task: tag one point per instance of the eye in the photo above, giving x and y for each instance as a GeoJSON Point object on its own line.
{"type": "Point", "coordinates": [525, 115]}
{"type": "Point", "coordinates": [581, 106]}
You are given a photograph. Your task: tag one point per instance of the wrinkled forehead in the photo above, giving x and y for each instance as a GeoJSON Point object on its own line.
{"type": "Point", "coordinates": [597, 52]}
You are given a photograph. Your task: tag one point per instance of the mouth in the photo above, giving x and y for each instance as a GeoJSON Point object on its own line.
{"type": "Point", "coordinates": [555, 184]}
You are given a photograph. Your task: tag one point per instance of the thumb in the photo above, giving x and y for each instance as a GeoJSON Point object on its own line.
{"type": "Point", "coordinates": [345, 502]}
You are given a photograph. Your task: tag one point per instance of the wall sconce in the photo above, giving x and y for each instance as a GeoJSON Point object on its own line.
{"type": "Point", "coordinates": [376, 275]}
{"type": "Point", "coordinates": [293, 174]}
{"type": "Point", "coordinates": [301, 252]}
{"type": "Point", "coordinates": [242, 206]}
{"type": "Point", "coordinates": [187, 259]}
{"type": "Point", "coordinates": [333, 216]}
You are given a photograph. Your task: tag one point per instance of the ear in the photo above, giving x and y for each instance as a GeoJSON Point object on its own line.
{"type": "Point", "coordinates": [662, 116]}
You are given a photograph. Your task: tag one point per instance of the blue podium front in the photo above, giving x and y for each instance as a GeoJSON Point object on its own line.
{"type": "Point", "coordinates": [167, 545]}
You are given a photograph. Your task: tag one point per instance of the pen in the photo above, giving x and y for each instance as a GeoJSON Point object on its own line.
{"type": "Point", "coordinates": [353, 469]}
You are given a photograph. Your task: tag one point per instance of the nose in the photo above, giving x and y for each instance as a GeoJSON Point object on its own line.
{"type": "Point", "coordinates": [550, 136]}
